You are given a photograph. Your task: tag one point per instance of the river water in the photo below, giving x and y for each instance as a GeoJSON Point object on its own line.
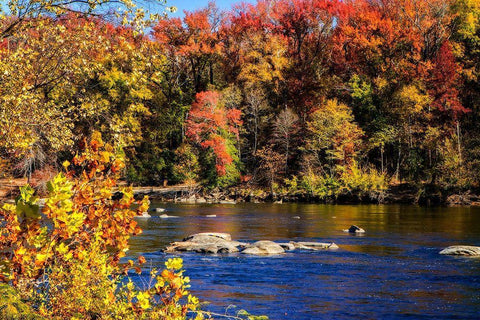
{"type": "Point", "coordinates": [394, 271]}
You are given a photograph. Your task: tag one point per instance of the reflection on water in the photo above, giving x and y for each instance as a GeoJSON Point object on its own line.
{"type": "Point", "coordinates": [394, 271]}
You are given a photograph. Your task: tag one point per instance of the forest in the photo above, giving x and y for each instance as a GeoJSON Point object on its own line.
{"type": "Point", "coordinates": [315, 96]}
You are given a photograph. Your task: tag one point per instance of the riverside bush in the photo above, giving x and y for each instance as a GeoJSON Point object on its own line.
{"type": "Point", "coordinates": [362, 182]}
{"type": "Point", "coordinates": [64, 260]}
{"type": "Point", "coordinates": [353, 180]}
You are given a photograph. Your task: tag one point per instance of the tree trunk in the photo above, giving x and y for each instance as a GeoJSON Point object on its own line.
{"type": "Point", "coordinates": [255, 133]}
{"type": "Point", "coordinates": [381, 156]}
{"type": "Point", "coordinates": [397, 173]}
{"type": "Point", "coordinates": [286, 156]}
{"type": "Point", "coordinates": [211, 72]}
{"type": "Point", "coordinates": [459, 145]}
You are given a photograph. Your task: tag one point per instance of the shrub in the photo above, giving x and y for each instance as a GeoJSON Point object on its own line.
{"type": "Point", "coordinates": [362, 182]}
{"type": "Point", "coordinates": [352, 180]}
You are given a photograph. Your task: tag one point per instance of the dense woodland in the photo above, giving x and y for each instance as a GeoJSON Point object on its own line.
{"type": "Point", "coordinates": [317, 96]}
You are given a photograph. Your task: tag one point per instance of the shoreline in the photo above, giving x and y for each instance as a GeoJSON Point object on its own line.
{"type": "Point", "coordinates": [406, 193]}
{"type": "Point", "coordinates": [424, 195]}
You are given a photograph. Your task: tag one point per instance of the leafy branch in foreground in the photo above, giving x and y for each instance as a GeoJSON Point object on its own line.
{"type": "Point", "coordinates": [64, 260]}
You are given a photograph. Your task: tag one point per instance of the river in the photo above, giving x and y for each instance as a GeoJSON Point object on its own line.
{"type": "Point", "coordinates": [394, 271]}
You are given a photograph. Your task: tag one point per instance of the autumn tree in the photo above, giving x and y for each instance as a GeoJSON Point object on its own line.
{"type": "Point", "coordinates": [308, 26]}
{"type": "Point", "coordinates": [465, 43]}
{"type": "Point", "coordinates": [271, 166]}
{"type": "Point", "coordinates": [193, 39]}
{"type": "Point", "coordinates": [285, 130]}
{"type": "Point", "coordinates": [71, 74]}
{"type": "Point", "coordinates": [213, 128]}
{"type": "Point", "coordinates": [334, 137]}
{"type": "Point", "coordinates": [256, 115]}
{"type": "Point", "coordinates": [444, 82]}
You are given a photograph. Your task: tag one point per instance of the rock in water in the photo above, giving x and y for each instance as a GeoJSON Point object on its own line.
{"type": "Point", "coordinates": [354, 229]}
{"type": "Point", "coordinates": [315, 246]}
{"type": "Point", "coordinates": [217, 242]}
{"type": "Point", "coordinates": [224, 236]}
{"type": "Point", "coordinates": [159, 209]}
{"type": "Point", "coordinates": [207, 242]}
{"type": "Point", "coordinates": [166, 216]}
{"type": "Point", "coordinates": [227, 201]}
{"type": "Point", "coordinates": [263, 248]}
{"type": "Point", "coordinates": [461, 251]}
{"type": "Point", "coordinates": [287, 246]}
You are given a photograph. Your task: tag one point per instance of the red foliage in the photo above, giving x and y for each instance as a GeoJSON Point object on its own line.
{"type": "Point", "coordinates": [205, 116]}
{"type": "Point", "coordinates": [396, 38]}
{"type": "Point", "coordinates": [223, 158]}
{"type": "Point", "coordinates": [444, 82]}
{"type": "Point", "coordinates": [207, 122]}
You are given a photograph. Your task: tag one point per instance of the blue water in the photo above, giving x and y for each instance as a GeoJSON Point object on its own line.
{"type": "Point", "coordinates": [394, 271]}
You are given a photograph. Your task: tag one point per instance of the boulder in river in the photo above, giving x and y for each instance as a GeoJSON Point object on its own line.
{"type": "Point", "coordinates": [208, 242]}
{"type": "Point", "coordinates": [461, 251]}
{"type": "Point", "coordinates": [159, 209]}
{"type": "Point", "coordinates": [264, 247]}
{"type": "Point", "coordinates": [217, 242]}
{"type": "Point", "coordinates": [354, 229]}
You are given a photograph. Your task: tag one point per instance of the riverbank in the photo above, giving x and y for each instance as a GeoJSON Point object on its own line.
{"type": "Point", "coordinates": [405, 193]}
{"type": "Point", "coordinates": [421, 194]}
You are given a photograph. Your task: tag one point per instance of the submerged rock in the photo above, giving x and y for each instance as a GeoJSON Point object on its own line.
{"type": "Point", "coordinates": [461, 251]}
{"type": "Point", "coordinates": [166, 216]}
{"type": "Point", "coordinates": [264, 247]}
{"type": "Point", "coordinates": [354, 229]}
{"type": "Point", "coordinates": [227, 201]}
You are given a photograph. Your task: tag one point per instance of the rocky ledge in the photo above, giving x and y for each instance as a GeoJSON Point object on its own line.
{"type": "Point", "coordinates": [461, 251]}
{"type": "Point", "coordinates": [213, 243]}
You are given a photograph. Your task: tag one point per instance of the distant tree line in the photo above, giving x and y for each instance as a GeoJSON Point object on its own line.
{"type": "Point", "coordinates": [317, 96]}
